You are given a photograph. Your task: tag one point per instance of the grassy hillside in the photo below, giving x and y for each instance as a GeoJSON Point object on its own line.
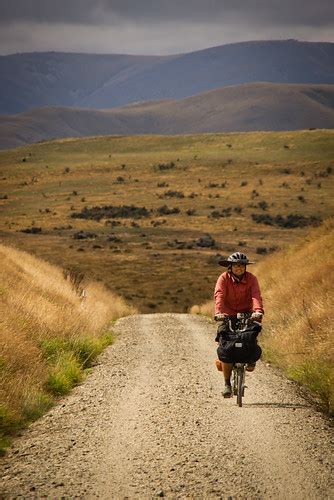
{"type": "Point", "coordinates": [257, 106]}
{"type": "Point", "coordinates": [253, 192]}
{"type": "Point", "coordinates": [48, 334]}
{"type": "Point", "coordinates": [298, 294]}
{"type": "Point", "coordinates": [103, 81]}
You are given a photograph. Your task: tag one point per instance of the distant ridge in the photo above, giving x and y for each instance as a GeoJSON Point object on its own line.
{"type": "Point", "coordinates": [34, 80]}
{"type": "Point", "coordinates": [249, 107]}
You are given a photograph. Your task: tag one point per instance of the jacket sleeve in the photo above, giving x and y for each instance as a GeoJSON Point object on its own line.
{"type": "Point", "coordinates": [219, 295]}
{"type": "Point", "coordinates": [256, 296]}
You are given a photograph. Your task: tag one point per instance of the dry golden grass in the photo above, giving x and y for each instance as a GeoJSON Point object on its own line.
{"type": "Point", "coordinates": [41, 317]}
{"type": "Point", "coordinates": [297, 287]}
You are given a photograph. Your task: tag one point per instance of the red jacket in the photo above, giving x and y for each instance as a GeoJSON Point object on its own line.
{"type": "Point", "coordinates": [232, 296]}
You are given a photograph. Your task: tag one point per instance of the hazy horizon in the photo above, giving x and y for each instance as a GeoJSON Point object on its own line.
{"type": "Point", "coordinates": [157, 28]}
{"type": "Point", "coordinates": [160, 55]}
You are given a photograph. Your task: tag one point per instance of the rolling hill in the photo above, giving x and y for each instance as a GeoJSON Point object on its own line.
{"type": "Point", "coordinates": [35, 80]}
{"type": "Point", "coordinates": [249, 107]}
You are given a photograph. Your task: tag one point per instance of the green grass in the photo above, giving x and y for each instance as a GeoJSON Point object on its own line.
{"type": "Point", "coordinates": [35, 404]}
{"type": "Point", "coordinates": [69, 360]}
{"type": "Point", "coordinates": [315, 375]}
{"type": "Point", "coordinates": [83, 349]}
{"type": "Point", "coordinates": [65, 373]}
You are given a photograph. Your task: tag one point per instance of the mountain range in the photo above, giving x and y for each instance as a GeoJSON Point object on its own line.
{"type": "Point", "coordinates": [35, 80]}
{"type": "Point", "coordinates": [262, 85]}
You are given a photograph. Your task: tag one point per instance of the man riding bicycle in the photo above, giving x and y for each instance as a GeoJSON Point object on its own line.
{"type": "Point", "coordinates": [236, 291]}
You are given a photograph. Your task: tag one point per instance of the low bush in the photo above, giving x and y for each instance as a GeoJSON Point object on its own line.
{"type": "Point", "coordinates": [173, 194]}
{"type": "Point", "coordinates": [290, 221]}
{"type": "Point", "coordinates": [111, 212]}
{"type": "Point", "coordinates": [164, 210]}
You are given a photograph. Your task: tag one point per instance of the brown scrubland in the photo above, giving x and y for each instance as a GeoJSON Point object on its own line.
{"type": "Point", "coordinates": [297, 289]}
{"type": "Point", "coordinates": [53, 325]}
{"type": "Point", "coordinates": [148, 216]}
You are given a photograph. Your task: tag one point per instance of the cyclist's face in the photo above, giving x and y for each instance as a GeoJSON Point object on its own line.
{"type": "Point", "coordinates": [238, 269]}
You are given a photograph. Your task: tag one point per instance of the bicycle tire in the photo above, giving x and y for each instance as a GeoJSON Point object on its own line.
{"type": "Point", "coordinates": [235, 382]}
{"type": "Point", "coordinates": [240, 375]}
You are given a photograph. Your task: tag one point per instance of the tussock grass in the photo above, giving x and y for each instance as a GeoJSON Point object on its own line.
{"type": "Point", "coordinates": [297, 289]}
{"type": "Point", "coordinates": [48, 335]}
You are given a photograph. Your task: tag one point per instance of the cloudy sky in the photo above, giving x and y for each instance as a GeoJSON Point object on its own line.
{"type": "Point", "coordinates": [157, 26]}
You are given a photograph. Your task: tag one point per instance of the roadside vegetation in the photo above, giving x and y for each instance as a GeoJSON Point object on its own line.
{"type": "Point", "coordinates": [52, 327]}
{"type": "Point", "coordinates": [297, 287]}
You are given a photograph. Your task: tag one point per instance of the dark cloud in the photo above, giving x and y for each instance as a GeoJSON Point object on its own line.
{"type": "Point", "coordinates": [156, 26]}
{"type": "Point", "coordinates": [288, 12]}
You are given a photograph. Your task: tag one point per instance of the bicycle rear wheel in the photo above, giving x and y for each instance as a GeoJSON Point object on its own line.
{"type": "Point", "coordinates": [240, 386]}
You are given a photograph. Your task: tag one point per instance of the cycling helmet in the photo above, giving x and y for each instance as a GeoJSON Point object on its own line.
{"type": "Point", "coordinates": [235, 258]}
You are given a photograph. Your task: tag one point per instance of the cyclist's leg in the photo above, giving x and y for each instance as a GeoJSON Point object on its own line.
{"type": "Point", "coordinates": [227, 370]}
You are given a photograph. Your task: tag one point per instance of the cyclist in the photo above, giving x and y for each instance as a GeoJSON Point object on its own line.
{"type": "Point", "coordinates": [236, 291]}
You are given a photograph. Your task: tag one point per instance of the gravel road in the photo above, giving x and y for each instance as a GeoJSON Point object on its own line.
{"type": "Point", "coordinates": [150, 422]}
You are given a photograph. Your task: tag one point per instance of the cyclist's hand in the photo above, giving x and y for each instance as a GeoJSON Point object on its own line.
{"type": "Point", "coordinates": [257, 316]}
{"type": "Point", "coordinates": [220, 317]}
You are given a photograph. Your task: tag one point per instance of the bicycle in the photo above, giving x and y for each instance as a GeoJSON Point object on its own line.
{"type": "Point", "coordinates": [239, 369]}
{"type": "Point", "coordinates": [237, 328]}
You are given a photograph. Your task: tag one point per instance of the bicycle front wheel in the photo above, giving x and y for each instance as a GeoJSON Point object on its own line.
{"type": "Point", "coordinates": [240, 376]}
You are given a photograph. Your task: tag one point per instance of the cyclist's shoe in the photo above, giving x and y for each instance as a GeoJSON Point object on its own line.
{"type": "Point", "coordinates": [219, 365]}
{"type": "Point", "coordinates": [250, 367]}
{"type": "Point", "coordinates": [227, 392]}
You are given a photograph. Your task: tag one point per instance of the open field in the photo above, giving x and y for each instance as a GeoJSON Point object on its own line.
{"type": "Point", "coordinates": [220, 183]}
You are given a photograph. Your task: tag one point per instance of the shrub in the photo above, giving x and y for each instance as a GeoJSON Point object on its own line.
{"type": "Point", "coordinates": [173, 194]}
{"type": "Point", "coordinates": [166, 166]}
{"type": "Point", "coordinates": [191, 211]}
{"type": "Point", "coordinates": [32, 230]}
{"type": "Point", "coordinates": [109, 211]}
{"type": "Point", "coordinates": [263, 205]}
{"type": "Point", "coordinates": [84, 235]}
{"type": "Point", "coordinates": [225, 212]}
{"type": "Point", "coordinates": [290, 221]}
{"type": "Point", "coordinates": [164, 210]}
{"type": "Point", "coordinates": [206, 241]}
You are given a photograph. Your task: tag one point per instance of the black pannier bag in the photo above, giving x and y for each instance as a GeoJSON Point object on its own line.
{"type": "Point", "coordinates": [239, 346]}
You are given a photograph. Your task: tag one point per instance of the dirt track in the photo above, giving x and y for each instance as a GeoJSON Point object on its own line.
{"type": "Point", "coordinates": [151, 422]}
